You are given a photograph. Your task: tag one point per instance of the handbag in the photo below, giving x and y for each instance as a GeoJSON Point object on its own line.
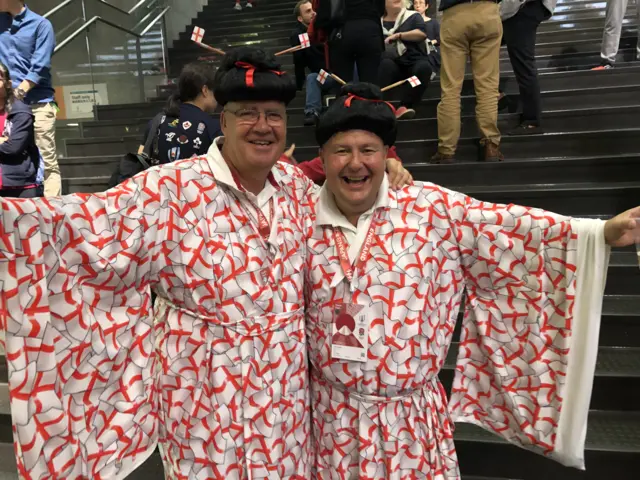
{"type": "Point", "coordinates": [133, 163]}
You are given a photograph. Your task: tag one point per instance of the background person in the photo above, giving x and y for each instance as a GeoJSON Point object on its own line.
{"type": "Point", "coordinates": [353, 39]}
{"type": "Point", "coordinates": [19, 156]}
{"type": "Point", "coordinates": [405, 54]}
{"type": "Point", "coordinates": [27, 42]}
{"type": "Point", "coordinates": [188, 128]}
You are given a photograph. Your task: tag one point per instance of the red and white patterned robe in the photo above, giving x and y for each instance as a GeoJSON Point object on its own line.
{"type": "Point", "coordinates": [216, 371]}
{"type": "Point", "coordinates": [534, 282]}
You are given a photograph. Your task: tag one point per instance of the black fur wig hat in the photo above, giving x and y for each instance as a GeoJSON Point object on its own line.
{"type": "Point", "coordinates": [359, 107]}
{"type": "Point", "coordinates": [250, 74]}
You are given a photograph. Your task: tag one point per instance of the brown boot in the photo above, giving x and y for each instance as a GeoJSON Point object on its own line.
{"type": "Point", "coordinates": [441, 158]}
{"type": "Point", "coordinates": [492, 153]}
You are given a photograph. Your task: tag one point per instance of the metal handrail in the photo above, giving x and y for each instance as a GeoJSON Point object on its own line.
{"type": "Point", "coordinates": [98, 18]}
{"type": "Point", "coordinates": [67, 2]}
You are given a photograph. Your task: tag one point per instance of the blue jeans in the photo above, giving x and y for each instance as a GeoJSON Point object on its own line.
{"type": "Point", "coordinates": [315, 89]}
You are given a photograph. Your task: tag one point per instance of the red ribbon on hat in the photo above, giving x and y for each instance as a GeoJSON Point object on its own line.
{"type": "Point", "coordinates": [251, 70]}
{"type": "Point", "coordinates": [351, 96]}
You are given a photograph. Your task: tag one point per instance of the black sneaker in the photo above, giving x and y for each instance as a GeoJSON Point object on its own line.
{"type": "Point", "coordinates": [310, 119]}
{"type": "Point", "coordinates": [526, 129]}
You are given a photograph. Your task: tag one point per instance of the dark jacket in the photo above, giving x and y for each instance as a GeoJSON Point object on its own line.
{"type": "Point", "coordinates": [19, 155]}
{"type": "Point", "coordinates": [444, 4]}
{"type": "Point", "coordinates": [190, 135]}
{"type": "Point", "coordinates": [311, 58]}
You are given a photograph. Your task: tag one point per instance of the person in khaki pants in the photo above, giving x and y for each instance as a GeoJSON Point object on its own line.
{"type": "Point", "coordinates": [470, 29]}
{"type": "Point", "coordinates": [27, 42]}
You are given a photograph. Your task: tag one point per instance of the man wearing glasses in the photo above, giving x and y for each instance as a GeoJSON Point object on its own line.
{"type": "Point", "coordinates": [215, 371]}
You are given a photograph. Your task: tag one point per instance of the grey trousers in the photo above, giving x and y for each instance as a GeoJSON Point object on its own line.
{"type": "Point", "coordinates": [613, 28]}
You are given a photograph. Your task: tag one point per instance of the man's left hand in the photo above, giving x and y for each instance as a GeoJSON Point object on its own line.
{"type": "Point", "coordinates": [624, 229]}
{"type": "Point", "coordinates": [398, 175]}
{"type": "Point", "coordinates": [3, 139]}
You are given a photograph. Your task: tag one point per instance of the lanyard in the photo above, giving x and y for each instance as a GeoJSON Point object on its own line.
{"type": "Point", "coordinates": [343, 254]}
{"type": "Point", "coordinates": [263, 225]}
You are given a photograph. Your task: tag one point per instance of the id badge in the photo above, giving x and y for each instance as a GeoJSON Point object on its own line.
{"type": "Point", "coordinates": [349, 333]}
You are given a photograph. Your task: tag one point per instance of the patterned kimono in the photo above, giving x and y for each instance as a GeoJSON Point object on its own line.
{"type": "Point", "coordinates": [534, 282]}
{"type": "Point", "coordinates": [215, 371]}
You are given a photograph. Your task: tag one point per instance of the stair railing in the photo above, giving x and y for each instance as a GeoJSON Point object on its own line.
{"type": "Point", "coordinates": [89, 22]}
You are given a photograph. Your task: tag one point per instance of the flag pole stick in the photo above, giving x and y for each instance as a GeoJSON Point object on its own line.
{"type": "Point", "coordinates": [393, 85]}
{"type": "Point", "coordinates": [211, 49]}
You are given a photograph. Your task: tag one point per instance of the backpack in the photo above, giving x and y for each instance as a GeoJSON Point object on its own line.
{"type": "Point", "coordinates": [133, 163]}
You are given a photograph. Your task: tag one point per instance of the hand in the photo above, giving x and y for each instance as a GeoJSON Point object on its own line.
{"type": "Point", "coordinates": [289, 153]}
{"type": "Point", "coordinates": [3, 139]}
{"type": "Point", "coordinates": [394, 37]}
{"type": "Point", "coordinates": [624, 229]}
{"type": "Point", "coordinates": [398, 175]}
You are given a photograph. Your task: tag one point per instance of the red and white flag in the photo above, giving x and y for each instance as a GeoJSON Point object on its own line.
{"type": "Point", "coordinates": [414, 81]}
{"type": "Point", "coordinates": [197, 35]}
{"type": "Point", "coordinates": [304, 40]}
{"type": "Point", "coordinates": [322, 76]}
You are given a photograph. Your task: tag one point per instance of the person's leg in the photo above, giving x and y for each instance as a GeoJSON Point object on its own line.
{"type": "Point", "coordinates": [45, 130]}
{"type": "Point", "coordinates": [367, 44]}
{"type": "Point", "coordinates": [313, 103]}
{"type": "Point", "coordinates": [341, 58]}
{"type": "Point", "coordinates": [612, 29]}
{"type": "Point", "coordinates": [412, 95]}
{"type": "Point", "coordinates": [389, 72]}
{"type": "Point", "coordinates": [454, 49]}
{"type": "Point", "coordinates": [485, 67]}
{"type": "Point", "coordinates": [520, 38]}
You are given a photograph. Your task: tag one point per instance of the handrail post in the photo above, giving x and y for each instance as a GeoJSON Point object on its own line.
{"type": "Point", "coordinates": [165, 50]}
{"type": "Point", "coordinates": [90, 59]}
{"type": "Point", "coordinates": [140, 72]}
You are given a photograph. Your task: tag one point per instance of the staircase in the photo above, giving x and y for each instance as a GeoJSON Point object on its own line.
{"type": "Point", "coordinates": [587, 164]}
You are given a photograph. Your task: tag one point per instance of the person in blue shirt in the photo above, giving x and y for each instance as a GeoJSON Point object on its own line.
{"type": "Point", "coordinates": [27, 42]}
{"type": "Point", "coordinates": [187, 129]}
{"type": "Point", "coordinates": [19, 156]}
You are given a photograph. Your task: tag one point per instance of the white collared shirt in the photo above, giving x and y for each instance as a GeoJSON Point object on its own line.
{"type": "Point", "coordinates": [222, 174]}
{"type": "Point", "coordinates": [327, 213]}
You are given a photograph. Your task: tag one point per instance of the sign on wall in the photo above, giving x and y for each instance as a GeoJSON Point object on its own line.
{"type": "Point", "coordinates": [80, 99]}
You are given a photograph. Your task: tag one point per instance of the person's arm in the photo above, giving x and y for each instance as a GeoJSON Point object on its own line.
{"type": "Point", "coordinates": [75, 282]}
{"type": "Point", "coordinates": [21, 131]}
{"type": "Point", "coordinates": [534, 282]}
{"type": "Point", "coordinates": [410, 36]}
{"type": "Point", "coordinates": [41, 59]}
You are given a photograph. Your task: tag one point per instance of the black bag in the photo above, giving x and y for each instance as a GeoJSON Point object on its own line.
{"type": "Point", "coordinates": [133, 163]}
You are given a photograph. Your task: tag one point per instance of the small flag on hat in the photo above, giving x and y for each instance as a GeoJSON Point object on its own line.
{"type": "Point", "coordinates": [414, 81]}
{"type": "Point", "coordinates": [322, 76]}
{"type": "Point", "coordinates": [304, 40]}
{"type": "Point", "coordinates": [197, 35]}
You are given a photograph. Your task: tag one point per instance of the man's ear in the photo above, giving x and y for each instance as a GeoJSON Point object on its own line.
{"type": "Point", "coordinates": [300, 19]}
{"type": "Point", "coordinates": [223, 122]}
{"type": "Point", "coordinates": [386, 152]}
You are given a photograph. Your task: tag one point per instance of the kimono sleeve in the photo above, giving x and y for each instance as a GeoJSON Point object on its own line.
{"type": "Point", "coordinates": [534, 282]}
{"type": "Point", "coordinates": [75, 314]}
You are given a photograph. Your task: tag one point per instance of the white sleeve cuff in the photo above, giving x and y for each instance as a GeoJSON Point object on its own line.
{"type": "Point", "coordinates": [591, 272]}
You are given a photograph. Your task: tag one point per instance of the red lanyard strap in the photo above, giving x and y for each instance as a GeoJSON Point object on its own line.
{"type": "Point", "coordinates": [343, 253]}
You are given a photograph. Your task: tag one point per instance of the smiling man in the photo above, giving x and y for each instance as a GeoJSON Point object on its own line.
{"type": "Point", "coordinates": [388, 270]}
{"type": "Point", "coordinates": [215, 371]}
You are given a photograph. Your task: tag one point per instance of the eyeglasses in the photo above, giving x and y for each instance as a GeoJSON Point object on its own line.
{"type": "Point", "coordinates": [250, 116]}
